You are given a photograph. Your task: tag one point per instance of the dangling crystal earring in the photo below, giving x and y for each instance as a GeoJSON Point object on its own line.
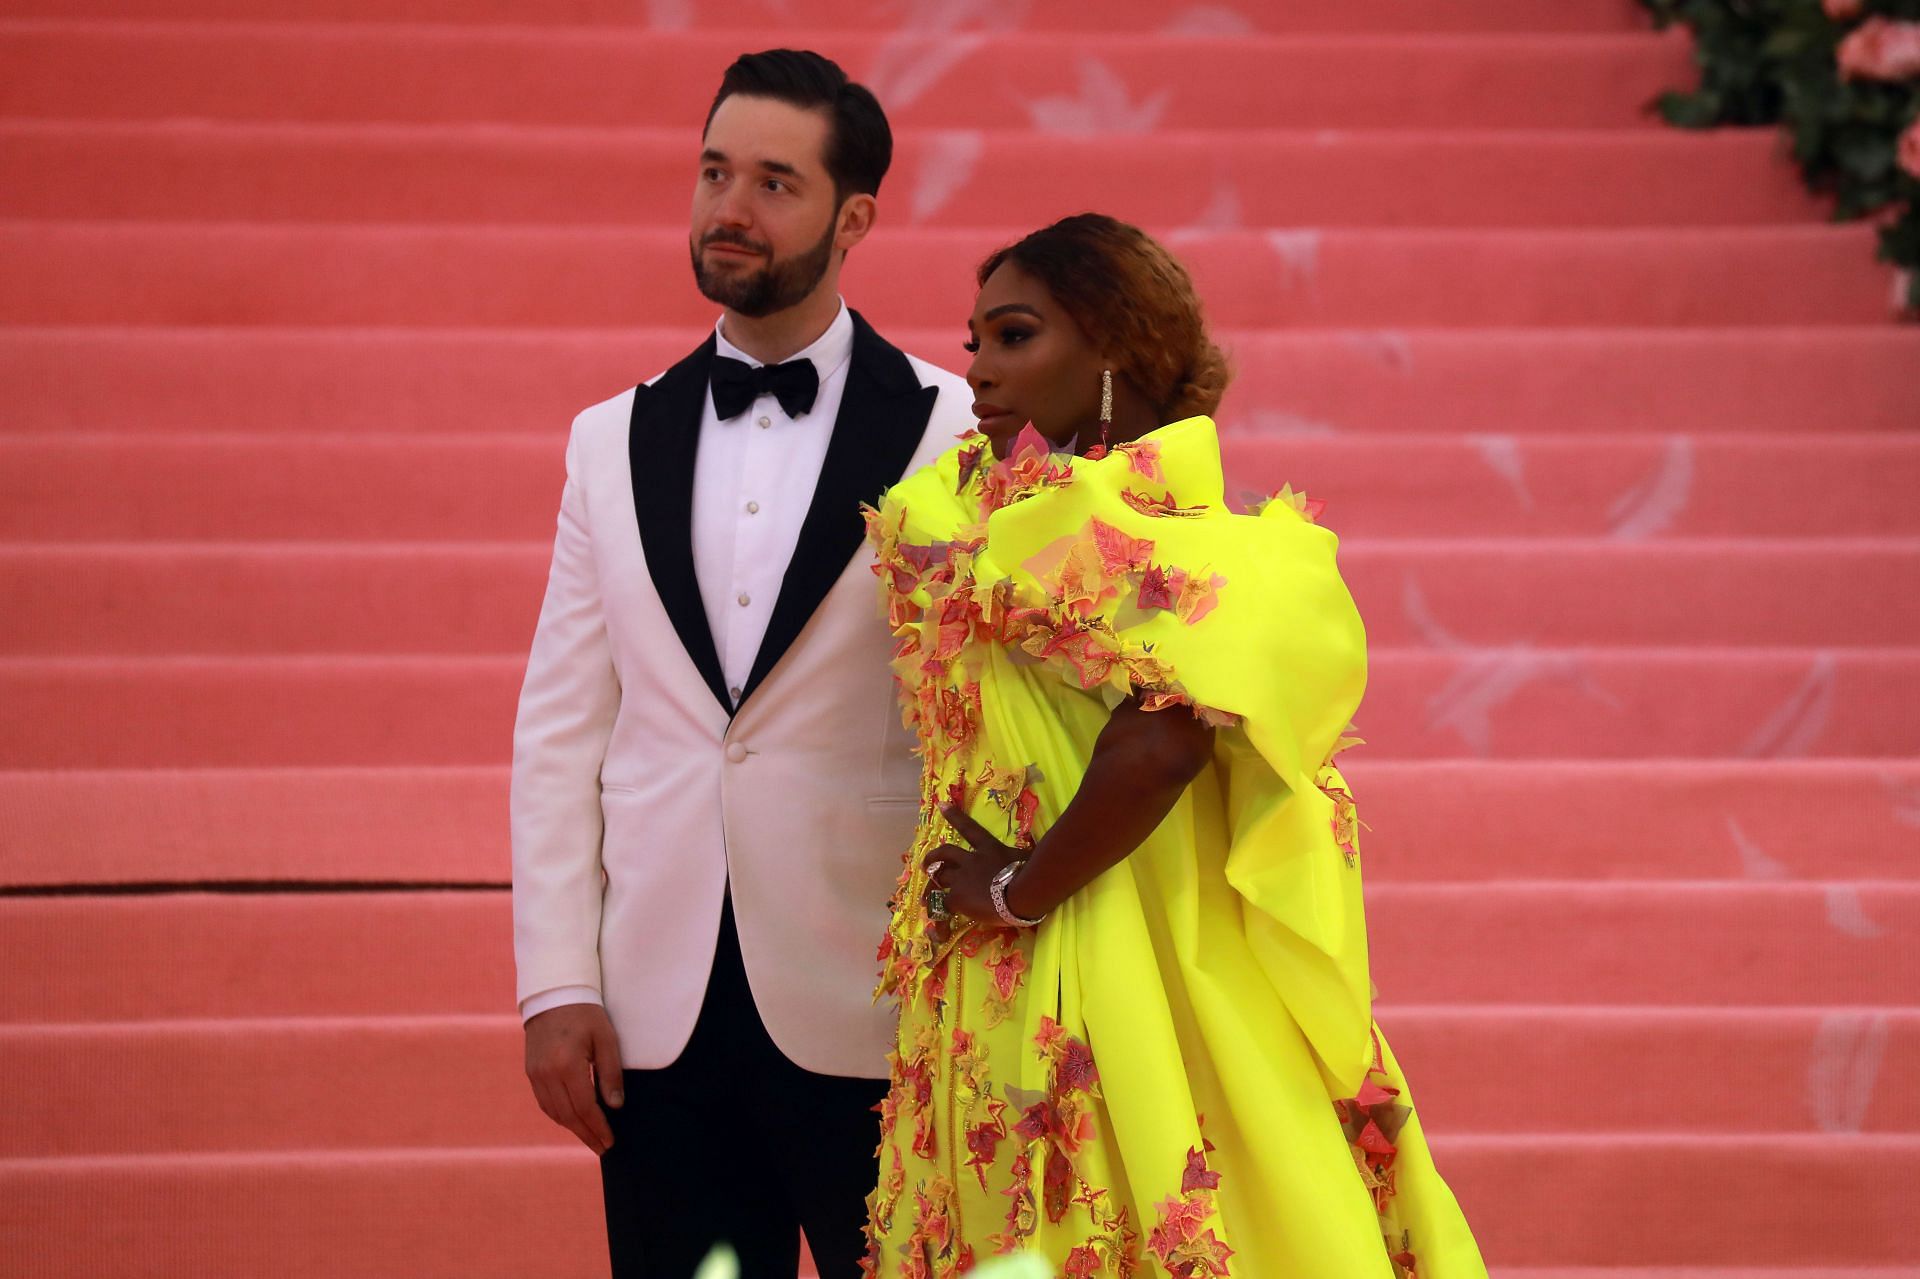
{"type": "Point", "coordinates": [1106, 404]}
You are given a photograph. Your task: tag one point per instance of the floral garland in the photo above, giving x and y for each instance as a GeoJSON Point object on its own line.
{"type": "Point", "coordinates": [1842, 77]}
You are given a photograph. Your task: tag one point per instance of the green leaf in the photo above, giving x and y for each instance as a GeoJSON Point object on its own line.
{"type": "Point", "coordinates": [1787, 42]}
{"type": "Point", "coordinates": [1900, 239]}
{"type": "Point", "coordinates": [1691, 110]}
{"type": "Point", "coordinates": [1865, 156]}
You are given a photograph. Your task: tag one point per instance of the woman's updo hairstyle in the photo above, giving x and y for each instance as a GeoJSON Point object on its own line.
{"type": "Point", "coordinates": [1133, 298]}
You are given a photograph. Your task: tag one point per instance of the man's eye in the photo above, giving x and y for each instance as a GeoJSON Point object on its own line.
{"type": "Point", "coordinates": [711, 175]}
{"type": "Point", "coordinates": [775, 184]}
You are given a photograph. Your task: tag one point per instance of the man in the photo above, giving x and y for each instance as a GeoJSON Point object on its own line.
{"type": "Point", "coordinates": [711, 787]}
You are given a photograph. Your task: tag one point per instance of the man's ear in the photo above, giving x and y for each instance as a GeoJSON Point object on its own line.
{"type": "Point", "coordinates": [857, 215]}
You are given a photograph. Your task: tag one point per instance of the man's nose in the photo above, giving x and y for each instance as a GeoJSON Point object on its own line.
{"type": "Point", "coordinates": [733, 209]}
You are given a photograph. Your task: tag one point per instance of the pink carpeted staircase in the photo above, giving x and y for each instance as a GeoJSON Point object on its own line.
{"type": "Point", "coordinates": [300, 296]}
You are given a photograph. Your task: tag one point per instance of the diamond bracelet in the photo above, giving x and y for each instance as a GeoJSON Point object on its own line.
{"type": "Point", "coordinates": [997, 890]}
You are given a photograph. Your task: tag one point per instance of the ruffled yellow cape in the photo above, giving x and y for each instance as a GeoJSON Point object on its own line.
{"type": "Point", "coordinates": [1178, 1072]}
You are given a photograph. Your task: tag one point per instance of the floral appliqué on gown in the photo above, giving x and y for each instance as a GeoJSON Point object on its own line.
{"type": "Point", "coordinates": [1177, 1074]}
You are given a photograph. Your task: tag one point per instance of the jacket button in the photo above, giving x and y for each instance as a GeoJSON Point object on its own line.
{"type": "Point", "coordinates": [736, 751]}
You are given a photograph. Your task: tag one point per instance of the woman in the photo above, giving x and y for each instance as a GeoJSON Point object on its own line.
{"type": "Point", "coordinates": [1135, 1019]}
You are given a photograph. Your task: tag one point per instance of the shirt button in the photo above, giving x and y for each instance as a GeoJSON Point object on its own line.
{"type": "Point", "coordinates": [745, 599]}
{"type": "Point", "coordinates": [735, 752]}
{"type": "Point", "coordinates": [753, 508]}
{"type": "Point", "coordinates": [765, 422]}
{"type": "Point", "coordinates": [734, 693]}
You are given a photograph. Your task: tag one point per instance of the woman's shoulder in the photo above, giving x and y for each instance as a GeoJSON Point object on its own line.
{"type": "Point", "coordinates": [1174, 477]}
{"type": "Point", "coordinates": [1148, 524]}
{"type": "Point", "coordinates": [1166, 477]}
{"type": "Point", "coordinates": [1173, 472]}
{"type": "Point", "coordinates": [929, 504]}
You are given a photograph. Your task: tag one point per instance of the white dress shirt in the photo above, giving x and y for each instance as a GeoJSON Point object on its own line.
{"type": "Point", "coordinates": [753, 482]}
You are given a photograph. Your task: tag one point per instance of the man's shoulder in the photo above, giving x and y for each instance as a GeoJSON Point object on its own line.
{"type": "Point", "coordinates": [952, 413]}
{"type": "Point", "coordinates": [610, 416]}
{"type": "Point", "coordinates": [876, 346]}
{"type": "Point", "coordinates": [614, 415]}
{"type": "Point", "coordinates": [931, 374]}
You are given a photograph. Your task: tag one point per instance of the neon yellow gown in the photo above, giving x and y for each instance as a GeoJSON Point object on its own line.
{"type": "Point", "coordinates": [1177, 1073]}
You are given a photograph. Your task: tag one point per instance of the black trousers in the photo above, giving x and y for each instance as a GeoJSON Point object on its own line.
{"type": "Point", "coordinates": [734, 1143]}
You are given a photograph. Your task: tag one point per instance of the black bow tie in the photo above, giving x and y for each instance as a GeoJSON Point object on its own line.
{"type": "Point", "coordinates": [736, 384]}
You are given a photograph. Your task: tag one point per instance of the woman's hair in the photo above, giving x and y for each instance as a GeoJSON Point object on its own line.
{"type": "Point", "coordinates": [1133, 298]}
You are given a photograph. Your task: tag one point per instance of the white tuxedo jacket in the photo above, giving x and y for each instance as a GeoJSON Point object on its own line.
{"type": "Point", "coordinates": [638, 797]}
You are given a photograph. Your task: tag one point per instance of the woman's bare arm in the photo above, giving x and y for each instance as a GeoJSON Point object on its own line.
{"type": "Point", "coordinates": [1142, 763]}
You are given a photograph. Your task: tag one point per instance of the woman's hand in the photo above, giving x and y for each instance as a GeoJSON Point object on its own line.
{"type": "Point", "coordinates": [964, 874]}
{"type": "Point", "coordinates": [1142, 763]}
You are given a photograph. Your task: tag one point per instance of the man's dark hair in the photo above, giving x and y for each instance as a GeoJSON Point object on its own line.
{"type": "Point", "coordinates": [859, 143]}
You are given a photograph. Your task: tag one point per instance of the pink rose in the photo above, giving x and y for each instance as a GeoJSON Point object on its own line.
{"type": "Point", "coordinates": [1881, 49]}
{"type": "Point", "coordinates": [1910, 150]}
{"type": "Point", "coordinates": [1843, 10]}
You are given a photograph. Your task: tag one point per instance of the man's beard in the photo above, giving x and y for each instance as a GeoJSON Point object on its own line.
{"type": "Point", "coordinates": [774, 287]}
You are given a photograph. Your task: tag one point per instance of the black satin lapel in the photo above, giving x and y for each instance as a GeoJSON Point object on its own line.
{"type": "Point", "coordinates": [661, 442]}
{"type": "Point", "coordinates": [883, 415]}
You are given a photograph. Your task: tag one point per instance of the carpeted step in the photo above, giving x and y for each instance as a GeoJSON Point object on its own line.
{"type": "Point", "coordinates": [278, 1084]}
{"type": "Point", "coordinates": [518, 277]}
{"type": "Point", "coordinates": [1528, 383]}
{"type": "Point", "coordinates": [1619, 1199]}
{"type": "Point", "coordinates": [346, 1083]}
{"type": "Point", "coordinates": [1428, 821]}
{"type": "Point", "coordinates": [1507, 703]}
{"type": "Point", "coordinates": [494, 1213]}
{"type": "Point", "coordinates": [1523, 943]}
{"type": "Point", "coordinates": [375, 825]}
{"type": "Point", "coordinates": [748, 17]}
{"type": "Point", "coordinates": [1627, 487]}
{"type": "Point", "coordinates": [1628, 819]}
{"type": "Point", "coordinates": [216, 955]}
{"type": "Point", "coordinates": [372, 488]}
{"type": "Point", "coordinates": [1485, 593]}
{"type": "Point", "coordinates": [638, 177]}
{"type": "Point", "coordinates": [515, 1211]}
{"type": "Point", "coordinates": [1066, 83]}
{"type": "Point", "coordinates": [483, 598]}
